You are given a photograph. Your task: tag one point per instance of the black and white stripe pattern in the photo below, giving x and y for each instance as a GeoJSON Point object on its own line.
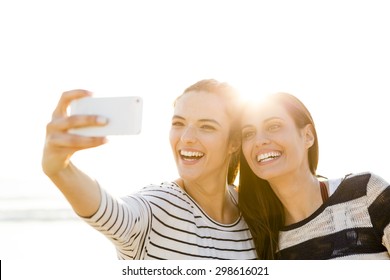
{"type": "Point", "coordinates": [354, 223]}
{"type": "Point", "coordinates": [163, 222]}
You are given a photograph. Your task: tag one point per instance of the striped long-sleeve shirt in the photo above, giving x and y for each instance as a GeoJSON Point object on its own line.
{"type": "Point", "coordinates": [163, 222]}
{"type": "Point", "coordinates": [354, 223]}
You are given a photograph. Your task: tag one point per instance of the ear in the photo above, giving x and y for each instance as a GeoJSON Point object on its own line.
{"type": "Point", "coordinates": [308, 135]}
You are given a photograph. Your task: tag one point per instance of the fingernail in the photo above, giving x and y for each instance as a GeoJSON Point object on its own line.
{"type": "Point", "coordinates": [101, 120]}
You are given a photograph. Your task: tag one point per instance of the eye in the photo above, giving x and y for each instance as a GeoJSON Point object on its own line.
{"type": "Point", "coordinates": [177, 123]}
{"type": "Point", "coordinates": [247, 134]}
{"type": "Point", "coordinates": [274, 127]}
{"type": "Point", "coordinates": [207, 127]}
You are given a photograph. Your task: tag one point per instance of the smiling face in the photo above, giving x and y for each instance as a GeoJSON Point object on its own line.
{"type": "Point", "coordinates": [272, 143]}
{"type": "Point", "coordinates": [199, 136]}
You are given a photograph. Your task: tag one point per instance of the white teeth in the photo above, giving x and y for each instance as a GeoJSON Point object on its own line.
{"type": "Point", "coordinates": [268, 156]}
{"type": "Point", "coordinates": [191, 154]}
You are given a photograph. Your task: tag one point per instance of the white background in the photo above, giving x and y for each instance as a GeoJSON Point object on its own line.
{"type": "Point", "coordinates": [334, 55]}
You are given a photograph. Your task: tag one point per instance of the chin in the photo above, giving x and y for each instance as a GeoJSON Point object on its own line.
{"type": "Point", "coordinates": [188, 176]}
{"type": "Point", "coordinates": [265, 175]}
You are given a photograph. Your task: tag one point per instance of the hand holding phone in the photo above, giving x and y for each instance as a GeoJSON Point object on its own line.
{"type": "Point", "coordinates": [124, 115]}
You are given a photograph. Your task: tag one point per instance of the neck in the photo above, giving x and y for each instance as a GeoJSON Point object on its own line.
{"type": "Point", "coordinates": [213, 198]}
{"type": "Point", "coordinates": [300, 196]}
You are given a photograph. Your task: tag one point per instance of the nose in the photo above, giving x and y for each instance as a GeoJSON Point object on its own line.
{"type": "Point", "coordinates": [262, 139]}
{"type": "Point", "coordinates": [189, 135]}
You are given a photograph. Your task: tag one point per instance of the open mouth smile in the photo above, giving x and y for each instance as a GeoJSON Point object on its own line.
{"type": "Point", "coordinates": [190, 155]}
{"type": "Point", "coordinates": [268, 156]}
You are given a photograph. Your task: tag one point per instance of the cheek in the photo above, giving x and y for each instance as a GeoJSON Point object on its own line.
{"type": "Point", "coordinates": [173, 136]}
{"type": "Point", "coordinates": [246, 150]}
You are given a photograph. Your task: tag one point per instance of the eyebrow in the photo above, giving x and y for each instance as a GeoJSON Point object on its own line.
{"type": "Point", "coordinates": [177, 117]}
{"type": "Point", "coordinates": [201, 120]}
{"type": "Point", "coordinates": [266, 120]}
{"type": "Point", "coordinates": [246, 126]}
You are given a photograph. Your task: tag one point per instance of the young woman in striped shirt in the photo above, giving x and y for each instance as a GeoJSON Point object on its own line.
{"type": "Point", "coordinates": [193, 217]}
{"type": "Point", "coordinates": [293, 214]}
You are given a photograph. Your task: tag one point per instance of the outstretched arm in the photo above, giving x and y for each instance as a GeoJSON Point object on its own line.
{"type": "Point", "coordinates": [80, 190]}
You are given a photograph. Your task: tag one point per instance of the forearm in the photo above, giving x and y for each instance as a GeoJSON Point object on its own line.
{"type": "Point", "coordinates": [81, 191]}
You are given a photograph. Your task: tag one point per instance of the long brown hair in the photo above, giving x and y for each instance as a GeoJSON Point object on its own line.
{"type": "Point", "coordinates": [260, 207]}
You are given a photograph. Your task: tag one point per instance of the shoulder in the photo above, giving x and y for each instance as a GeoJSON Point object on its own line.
{"type": "Point", "coordinates": [351, 180]}
{"type": "Point", "coordinates": [377, 186]}
{"type": "Point", "coordinates": [162, 189]}
{"type": "Point", "coordinates": [369, 179]}
{"type": "Point", "coordinates": [348, 181]}
{"type": "Point", "coordinates": [358, 184]}
{"type": "Point", "coordinates": [166, 192]}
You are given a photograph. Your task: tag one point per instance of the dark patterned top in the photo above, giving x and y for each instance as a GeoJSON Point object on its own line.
{"type": "Point", "coordinates": [354, 223]}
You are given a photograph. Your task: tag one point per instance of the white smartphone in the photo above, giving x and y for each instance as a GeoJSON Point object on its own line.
{"type": "Point", "coordinates": [124, 115]}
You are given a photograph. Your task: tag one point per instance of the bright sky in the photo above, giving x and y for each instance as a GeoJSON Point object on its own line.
{"type": "Point", "coordinates": [334, 55]}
